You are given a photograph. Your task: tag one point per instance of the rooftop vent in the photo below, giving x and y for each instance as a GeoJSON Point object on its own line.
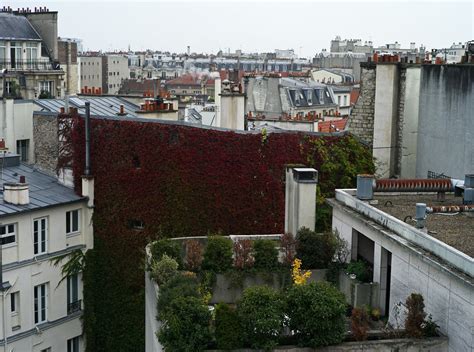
{"type": "Point", "coordinates": [16, 193]}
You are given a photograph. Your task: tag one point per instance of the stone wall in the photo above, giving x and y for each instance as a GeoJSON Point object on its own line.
{"type": "Point", "coordinates": [45, 135]}
{"type": "Point", "coordinates": [361, 122]}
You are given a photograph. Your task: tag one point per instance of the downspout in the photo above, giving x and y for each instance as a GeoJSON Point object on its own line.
{"type": "Point", "coordinates": [87, 170]}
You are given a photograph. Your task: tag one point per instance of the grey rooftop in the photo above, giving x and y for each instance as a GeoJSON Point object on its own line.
{"type": "Point", "coordinates": [13, 27]}
{"type": "Point", "coordinates": [44, 190]}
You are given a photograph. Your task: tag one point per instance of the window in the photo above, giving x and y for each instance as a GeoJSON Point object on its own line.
{"type": "Point", "coordinates": [345, 100]}
{"type": "Point", "coordinates": [14, 302]}
{"type": "Point", "coordinates": [72, 221]}
{"type": "Point", "coordinates": [73, 344]}
{"type": "Point", "coordinates": [40, 234]}
{"type": "Point", "coordinates": [46, 86]}
{"type": "Point", "coordinates": [73, 302]}
{"type": "Point", "coordinates": [339, 100]}
{"type": "Point", "coordinates": [40, 303]}
{"type": "Point", "coordinates": [7, 234]}
{"type": "Point", "coordinates": [22, 147]}
{"type": "Point", "coordinates": [136, 224]}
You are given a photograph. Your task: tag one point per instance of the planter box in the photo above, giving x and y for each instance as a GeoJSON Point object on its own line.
{"type": "Point", "coordinates": [432, 344]}
{"type": "Point", "coordinates": [226, 290]}
{"type": "Point", "coordinates": [357, 293]}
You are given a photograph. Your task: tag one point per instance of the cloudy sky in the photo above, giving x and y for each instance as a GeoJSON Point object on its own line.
{"type": "Point", "coordinates": [305, 26]}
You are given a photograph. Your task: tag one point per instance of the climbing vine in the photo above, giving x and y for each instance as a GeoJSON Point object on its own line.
{"type": "Point", "coordinates": [157, 180]}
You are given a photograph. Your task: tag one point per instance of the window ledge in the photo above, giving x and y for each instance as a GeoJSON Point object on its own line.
{"type": "Point", "coordinates": [16, 327]}
{"type": "Point", "coordinates": [73, 234]}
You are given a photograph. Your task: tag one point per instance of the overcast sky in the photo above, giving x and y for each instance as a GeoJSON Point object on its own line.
{"type": "Point", "coordinates": [306, 26]}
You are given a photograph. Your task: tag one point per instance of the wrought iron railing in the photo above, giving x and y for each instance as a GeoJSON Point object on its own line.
{"type": "Point", "coordinates": [29, 65]}
{"type": "Point", "coordinates": [74, 306]}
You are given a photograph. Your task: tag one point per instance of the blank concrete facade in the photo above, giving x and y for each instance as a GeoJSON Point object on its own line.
{"type": "Point", "coordinates": [418, 118]}
{"type": "Point", "coordinates": [105, 72]}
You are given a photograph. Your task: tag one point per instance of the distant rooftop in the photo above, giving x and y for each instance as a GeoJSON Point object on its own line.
{"type": "Point", "coordinates": [44, 190]}
{"type": "Point", "coordinates": [100, 105]}
{"type": "Point", "coordinates": [14, 27]}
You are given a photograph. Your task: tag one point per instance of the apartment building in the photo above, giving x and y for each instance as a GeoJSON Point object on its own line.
{"type": "Point", "coordinates": [29, 66]}
{"type": "Point", "coordinates": [40, 220]}
{"type": "Point", "coordinates": [103, 74]}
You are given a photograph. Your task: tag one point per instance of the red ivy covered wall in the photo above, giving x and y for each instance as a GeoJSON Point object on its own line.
{"type": "Point", "coordinates": [183, 181]}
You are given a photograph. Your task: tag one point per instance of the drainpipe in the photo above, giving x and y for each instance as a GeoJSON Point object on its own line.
{"type": "Point", "coordinates": [87, 170]}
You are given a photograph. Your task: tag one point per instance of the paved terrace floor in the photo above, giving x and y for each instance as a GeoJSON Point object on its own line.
{"type": "Point", "coordinates": [454, 230]}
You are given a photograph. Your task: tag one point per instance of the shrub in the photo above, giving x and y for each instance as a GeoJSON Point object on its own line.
{"type": "Point", "coordinates": [287, 244]}
{"type": "Point", "coordinates": [316, 251]}
{"type": "Point", "coordinates": [261, 314]}
{"type": "Point", "coordinates": [266, 254]}
{"type": "Point", "coordinates": [316, 313]}
{"type": "Point", "coordinates": [430, 328]}
{"type": "Point", "coordinates": [179, 286]}
{"type": "Point", "coordinates": [359, 324]}
{"type": "Point", "coordinates": [361, 270]}
{"type": "Point", "coordinates": [416, 315]}
{"type": "Point", "coordinates": [163, 270]}
{"type": "Point", "coordinates": [169, 247]}
{"type": "Point", "coordinates": [187, 326]}
{"type": "Point", "coordinates": [228, 329]}
{"type": "Point", "coordinates": [218, 254]}
{"type": "Point", "coordinates": [243, 258]}
{"type": "Point", "coordinates": [193, 255]}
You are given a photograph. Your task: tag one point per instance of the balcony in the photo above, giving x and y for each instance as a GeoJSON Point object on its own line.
{"type": "Point", "coordinates": [74, 307]}
{"type": "Point", "coordinates": [29, 65]}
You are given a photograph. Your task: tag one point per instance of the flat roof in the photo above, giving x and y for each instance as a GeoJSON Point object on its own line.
{"type": "Point", "coordinates": [454, 230]}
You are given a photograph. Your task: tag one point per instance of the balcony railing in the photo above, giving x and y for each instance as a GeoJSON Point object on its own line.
{"type": "Point", "coordinates": [29, 65]}
{"type": "Point", "coordinates": [74, 307]}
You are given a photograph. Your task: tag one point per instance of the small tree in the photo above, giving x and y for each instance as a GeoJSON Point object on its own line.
{"type": "Point", "coordinates": [288, 244]}
{"type": "Point", "coordinates": [193, 255]}
{"type": "Point", "coordinates": [261, 314]}
{"type": "Point", "coordinates": [178, 286]}
{"type": "Point", "coordinates": [316, 313]}
{"type": "Point", "coordinates": [218, 254]}
{"type": "Point", "coordinates": [187, 326]}
{"type": "Point", "coordinates": [316, 251]}
{"type": "Point", "coordinates": [416, 315]}
{"type": "Point", "coordinates": [266, 254]}
{"type": "Point", "coordinates": [359, 324]}
{"type": "Point", "coordinates": [243, 258]}
{"type": "Point", "coordinates": [163, 270]}
{"type": "Point", "coordinates": [169, 247]}
{"type": "Point", "coordinates": [228, 329]}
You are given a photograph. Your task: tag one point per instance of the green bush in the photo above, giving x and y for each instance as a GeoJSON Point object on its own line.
{"type": "Point", "coordinates": [218, 254]}
{"type": "Point", "coordinates": [361, 270]}
{"type": "Point", "coordinates": [170, 248]}
{"type": "Point", "coordinates": [179, 286]}
{"type": "Point", "coordinates": [228, 329]}
{"type": "Point", "coordinates": [416, 315]}
{"type": "Point", "coordinates": [316, 251]}
{"type": "Point", "coordinates": [187, 326]}
{"type": "Point", "coordinates": [261, 315]}
{"type": "Point", "coordinates": [164, 269]}
{"type": "Point", "coordinates": [265, 254]}
{"type": "Point", "coordinates": [316, 312]}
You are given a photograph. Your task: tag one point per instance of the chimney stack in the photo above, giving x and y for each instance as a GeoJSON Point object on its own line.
{"type": "Point", "coordinates": [300, 199]}
{"type": "Point", "coordinates": [16, 193]}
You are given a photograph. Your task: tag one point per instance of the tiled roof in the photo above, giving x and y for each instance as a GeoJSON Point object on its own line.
{"type": "Point", "coordinates": [354, 95]}
{"type": "Point", "coordinates": [133, 86]}
{"type": "Point", "coordinates": [190, 80]}
{"type": "Point", "coordinates": [332, 125]}
{"type": "Point", "coordinates": [13, 27]}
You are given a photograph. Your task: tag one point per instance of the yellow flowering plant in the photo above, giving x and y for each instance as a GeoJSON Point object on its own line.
{"type": "Point", "coordinates": [299, 276]}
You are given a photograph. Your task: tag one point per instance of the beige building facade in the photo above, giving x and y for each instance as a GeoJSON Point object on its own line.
{"type": "Point", "coordinates": [105, 72]}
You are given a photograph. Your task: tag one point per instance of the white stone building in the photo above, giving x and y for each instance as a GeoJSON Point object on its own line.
{"type": "Point", "coordinates": [40, 220]}
{"type": "Point", "coordinates": [435, 261]}
{"type": "Point", "coordinates": [104, 72]}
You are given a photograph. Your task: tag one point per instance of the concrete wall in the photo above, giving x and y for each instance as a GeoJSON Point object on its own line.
{"type": "Point", "coordinates": [446, 123]}
{"type": "Point", "coordinates": [91, 71]}
{"type": "Point", "coordinates": [448, 297]}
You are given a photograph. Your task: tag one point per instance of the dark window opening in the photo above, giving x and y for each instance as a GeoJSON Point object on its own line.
{"type": "Point", "coordinates": [136, 224]}
{"type": "Point", "coordinates": [136, 162]}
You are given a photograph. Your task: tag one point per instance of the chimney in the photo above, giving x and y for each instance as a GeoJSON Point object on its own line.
{"type": "Point", "coordinates": [16, 193]}
{"type": "Point", "coordinates": [420, 216]}
{"type": "Point", "coordinates": [300, 198]}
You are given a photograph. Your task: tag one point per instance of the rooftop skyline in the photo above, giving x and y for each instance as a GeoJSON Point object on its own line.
{"type": "Point", "coordinates": [307, 27]}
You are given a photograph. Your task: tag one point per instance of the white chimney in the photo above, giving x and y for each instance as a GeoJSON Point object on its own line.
{"type": "Point", "coordinates": [300, 199]}
{"type": "Point", "coordinates": [16, 193]}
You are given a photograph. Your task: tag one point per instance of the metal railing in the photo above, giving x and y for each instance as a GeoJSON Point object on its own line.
{"type": "Point", "coordinates": [29, 65]}
{"type": "Point", "coordinates": [74, 307]}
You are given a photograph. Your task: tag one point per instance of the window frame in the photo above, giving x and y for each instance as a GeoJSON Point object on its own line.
{"type": "Point", "coordinates": [15, 303]}
{"type": "Point", "coordinates": [74, 344]}
{"type": "Point", "coordinates": [71, 230]}
{"type": "Point", "coordinates": [39, 243]}
{"type": "Point", "coordinates": [40, 304]}
{"type": "Point", "coordinates": [8, 234]}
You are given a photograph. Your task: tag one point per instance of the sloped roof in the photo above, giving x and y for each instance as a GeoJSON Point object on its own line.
{"type": "Point", "coordinates": [134, 86]}
{"type": "Point", "coordinates": [13, 27]}
{"type": "Point", "coordinates": [44, 190]}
